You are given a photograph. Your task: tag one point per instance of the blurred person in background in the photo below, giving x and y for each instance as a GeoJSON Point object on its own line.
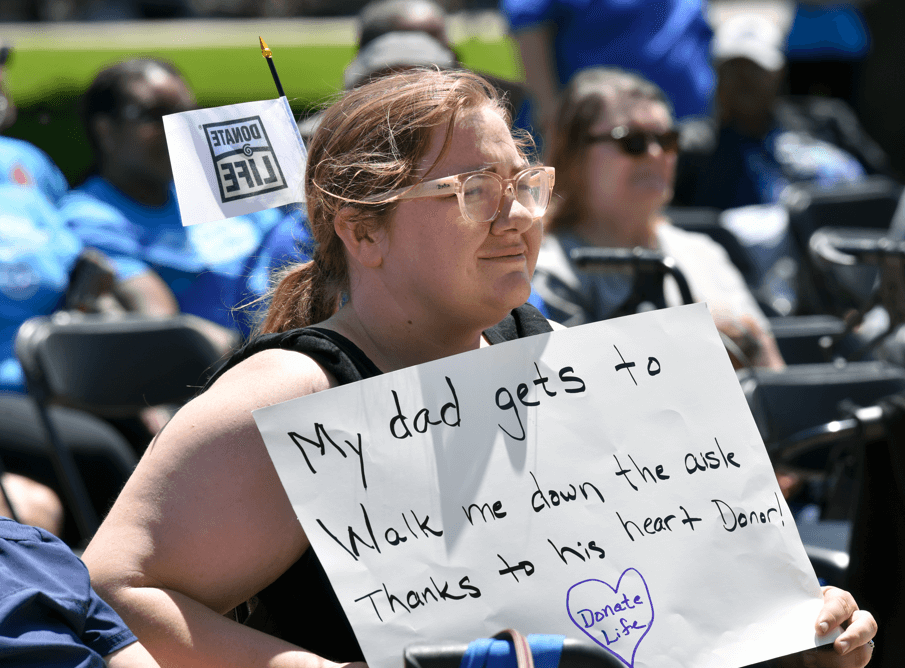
{"type": "Point", "coordinates": [45, 268]}
{"type": "Point", "coordinates": [614, 151]}
{"type": "Point", "coordinates": [397, 34]}
{"type": "Point", "coordinates": [128, 207]}
{"type": "Point", "coordinates": [23, 163]}
{"type": "Point", "coordinates": [759, 141]}
{"type": "Point", "coordinates": [666, 41]}
{"type": "Point", "coordinates": [389, 52]}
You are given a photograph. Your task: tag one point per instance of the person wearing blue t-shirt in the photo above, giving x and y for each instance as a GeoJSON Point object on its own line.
{"type": "Point", "coordinates": [38, 255]}
{"type": "Point", "coordinates": [667, 41]}
{"type": "Point", "coordinates": [49, 613]}
{"type": "Point", "coordinates": [128, 209]}
{"type": "Point", "coordinates": [22, 163]}
{"type": "Point", "coordinates": [287, 243]}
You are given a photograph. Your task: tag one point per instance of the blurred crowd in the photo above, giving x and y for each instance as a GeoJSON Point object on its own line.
{"type": "Point", "coordinates": [658, 121]}
{"type": "Point", "coordinates": [122, 10]}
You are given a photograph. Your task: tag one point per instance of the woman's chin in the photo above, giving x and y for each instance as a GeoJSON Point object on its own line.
{"type": "Point", "coordinates": [512, 291]}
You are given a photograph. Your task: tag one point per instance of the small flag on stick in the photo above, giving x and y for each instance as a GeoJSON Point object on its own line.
{"type": "Point", "coordinates": [268, 56]}
{"type": "Point", "coordinates": [235, 160]}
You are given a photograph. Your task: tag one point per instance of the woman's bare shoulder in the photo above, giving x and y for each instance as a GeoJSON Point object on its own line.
{"type": "Point", "coordinates": [269, 377]}
{"type": "Point", "coordinates": [210, 468]}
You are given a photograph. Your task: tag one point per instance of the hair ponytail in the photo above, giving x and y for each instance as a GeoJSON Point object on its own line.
{"type": "Point", "coordinates": [305, 294]}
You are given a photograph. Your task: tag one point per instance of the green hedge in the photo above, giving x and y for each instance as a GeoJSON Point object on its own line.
{"type": "Point", "coordinates": [46, 84]}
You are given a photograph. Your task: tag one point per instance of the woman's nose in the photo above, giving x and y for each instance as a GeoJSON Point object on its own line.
{"type": "Point", "coordinates": [513, 214]}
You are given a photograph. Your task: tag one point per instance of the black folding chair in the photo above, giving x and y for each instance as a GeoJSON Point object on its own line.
{"type": "Point", "coordinates": [865, 554]}
{"type": "Point", "coordinates": [868, 204]}
{"type": "Point", "coordinates": [812, 339]}
{"type": "Point", "coordinates": [648, 267]}
{"type": "Point", "coordinates": [857, 270]}
{"type": "Point", "coordinates": [112, 367]}
{"type": "Point", "coordinates": [816, 419]}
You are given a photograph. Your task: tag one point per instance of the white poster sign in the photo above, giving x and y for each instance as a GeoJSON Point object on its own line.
{"type": "Point", "coordinates": [234, 160]}
{"type": "Point", "coordinates": [606, 482]}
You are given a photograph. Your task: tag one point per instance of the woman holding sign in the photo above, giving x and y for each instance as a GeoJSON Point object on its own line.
{"type": "Point", "coordinates": [427, 215]}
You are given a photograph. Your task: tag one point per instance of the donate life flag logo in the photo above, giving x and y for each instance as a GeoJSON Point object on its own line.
{"type": "Point", "coordinates": [243, 158]}
{"type": "Point", "coordinates": [235, 160]}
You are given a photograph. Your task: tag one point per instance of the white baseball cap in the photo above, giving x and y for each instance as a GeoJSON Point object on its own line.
{"type": "Point", "coordinates": [397, 50]}
{"type": "Point", "coordinates": [750, 36]}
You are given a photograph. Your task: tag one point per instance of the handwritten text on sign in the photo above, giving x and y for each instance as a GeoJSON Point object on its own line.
{"type": "Point", "coordinates": [605, 482]}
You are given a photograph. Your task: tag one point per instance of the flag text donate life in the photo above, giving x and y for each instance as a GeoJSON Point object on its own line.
{"type": "Point", "coordinates": [244, 160]}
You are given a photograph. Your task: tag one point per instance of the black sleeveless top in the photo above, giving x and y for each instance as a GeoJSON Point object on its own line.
{"type": "Point", "coordinates": [301, 606]}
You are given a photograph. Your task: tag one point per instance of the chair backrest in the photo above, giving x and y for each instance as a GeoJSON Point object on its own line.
{"type": "Point", "coordinates": [114, 366]}
{"type": "Point", "coordinates": [787, 401]}
{"type": "Point", "coordinates": [868, 203]}
{"type": "Point", "coordinates": [811, 339]}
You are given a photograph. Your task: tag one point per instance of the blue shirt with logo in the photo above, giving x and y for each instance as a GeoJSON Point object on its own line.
{"type": "Point", "coordinates": [24, 164]}
{"type": "Point", "coordinates": [206, 265]}
{"type": "Point", "coordinates": [37, 252]}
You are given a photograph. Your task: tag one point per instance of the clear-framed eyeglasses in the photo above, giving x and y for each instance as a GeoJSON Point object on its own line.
{"type": "Point", "coordinates": [480, 194]}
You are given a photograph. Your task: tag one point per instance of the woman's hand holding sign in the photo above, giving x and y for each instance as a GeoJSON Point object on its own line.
{"type": "Point", "coordinates": [854, 646]}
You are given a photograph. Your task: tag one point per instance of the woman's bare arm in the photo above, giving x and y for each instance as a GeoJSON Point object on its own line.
{"type": "Point", "coordinates": [203, 524]}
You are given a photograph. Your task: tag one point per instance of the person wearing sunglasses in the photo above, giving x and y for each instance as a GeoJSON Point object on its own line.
{"type": "Point", "coordinates": [614, 149]}
{"type": "Point", "coordinates": [126, 207]}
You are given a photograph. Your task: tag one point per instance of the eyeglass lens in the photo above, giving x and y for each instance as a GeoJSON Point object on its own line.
{"type": "Point", "coordinates": [481, 194]}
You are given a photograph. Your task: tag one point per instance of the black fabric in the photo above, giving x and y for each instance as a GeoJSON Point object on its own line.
{"type": "Point", "coordinates": [102, 456]}
{"type": "Point", "coordinates": [521, 322]}
{"type": "Point", "coordinates": [301, 606]}
{"type": "Point", "coordinates": [875, 574]}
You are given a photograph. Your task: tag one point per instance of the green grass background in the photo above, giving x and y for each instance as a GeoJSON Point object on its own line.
{"type": "Point", "coordinates": [46, 83]}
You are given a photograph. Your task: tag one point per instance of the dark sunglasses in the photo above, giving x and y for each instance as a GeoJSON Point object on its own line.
{"type": "Point", "coordinates": [637, 142]}
{"type": "Point", "coordinates": [138, 114]}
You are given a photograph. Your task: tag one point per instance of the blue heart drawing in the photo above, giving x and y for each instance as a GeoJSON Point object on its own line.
{"type": "Point", "coordinates": [616, 618]}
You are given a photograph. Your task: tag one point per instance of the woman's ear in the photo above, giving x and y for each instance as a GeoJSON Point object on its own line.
{"type": "Point", "coordinates": [365, 244]}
